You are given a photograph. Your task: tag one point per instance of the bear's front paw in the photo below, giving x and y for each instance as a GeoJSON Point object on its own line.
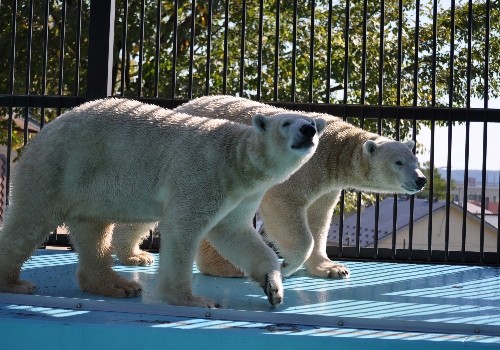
{"type": "Point", "coordinates": [140, 259]}
{"type": "Point", "coordinates": [273, 288]}
{"type": "Point", "coordinates": [188, 299]}
{"type": "Point", "coordinates": [202, 302]}
{"type": "Point", "coordinates": [108, 284]}
{"type": "Point", "coordinates": [20, 287]}
{"type": "Point", "coordinates": [328, 269]}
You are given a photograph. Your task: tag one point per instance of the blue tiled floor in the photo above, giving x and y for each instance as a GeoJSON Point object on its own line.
{"type": "Point", "coordinates": [400, 300]}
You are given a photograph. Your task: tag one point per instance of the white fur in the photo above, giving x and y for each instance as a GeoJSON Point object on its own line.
{"type": "Point", "coordinates": [118, 160]}
{"type": "Point", "coordinates": [297, 213]}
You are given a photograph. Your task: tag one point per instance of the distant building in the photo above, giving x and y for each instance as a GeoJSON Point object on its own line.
{"type": "Point", "coordinates": [474, 195]}
{"type": "Point", "coordinates": [420, 226]}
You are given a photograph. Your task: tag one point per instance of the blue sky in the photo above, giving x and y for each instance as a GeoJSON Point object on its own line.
{"type": "Point", "coordinates": [458, 144]}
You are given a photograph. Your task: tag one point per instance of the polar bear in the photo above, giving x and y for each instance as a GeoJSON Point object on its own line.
{"type": "Point", "coordinates": [297, 213]}
{"type": "Point", "coordinates": [118, 160]}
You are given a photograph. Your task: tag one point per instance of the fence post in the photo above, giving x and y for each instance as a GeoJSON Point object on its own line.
{"type": "Point", "coordinates": [101, 39]}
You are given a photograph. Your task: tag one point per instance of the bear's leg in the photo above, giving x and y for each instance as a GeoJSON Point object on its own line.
{"type": "Point", "coordinates": [177, 252]}
{"type": "Point", "coordinates": [22, 232]}
{"type": "Point", "coordinates": [286, 225]}
{"type": "Point", "coordinates": [210, 262]}
{"type": "Point", "coordinates": [92, 241]}
{"type": "Point", "coordinates": [126, 241]}
{"type": "Point", "coordinates": [236, 239]}
{"type": "Point", "coordinates": [319, 217]}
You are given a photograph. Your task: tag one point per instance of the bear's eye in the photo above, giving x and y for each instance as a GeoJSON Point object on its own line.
{"type": "Point", "coordinates": [285, 124]}
{"type": "Point", "coordinates": [399, 163]}
{"type": "Point", "coordinates": [313, 123]}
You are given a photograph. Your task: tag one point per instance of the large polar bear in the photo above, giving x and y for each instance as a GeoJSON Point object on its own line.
{"type": "Point", "coordinates": [117, 160]}
{"type": "Point", "coordinates": [297, 213]}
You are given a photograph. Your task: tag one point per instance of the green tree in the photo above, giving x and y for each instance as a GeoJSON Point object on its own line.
{"type": "Point", "coordinates": [439, 184]}
{"type": "Point", "coordinates": [298, 77]}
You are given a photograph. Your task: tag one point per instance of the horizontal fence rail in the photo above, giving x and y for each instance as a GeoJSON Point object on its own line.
{"type": "Point", "coordinates": [399, 68]}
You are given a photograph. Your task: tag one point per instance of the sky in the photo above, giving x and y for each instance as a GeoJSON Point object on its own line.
{"type": "Point", "coordinates": [458, 144]}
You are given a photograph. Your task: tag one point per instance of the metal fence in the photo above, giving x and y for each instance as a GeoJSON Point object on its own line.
{"type": "Point", "coordinates": [392, 67]}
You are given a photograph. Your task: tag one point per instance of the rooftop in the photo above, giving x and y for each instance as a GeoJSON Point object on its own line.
{"type": "Point", "coordinates": [386, 215]}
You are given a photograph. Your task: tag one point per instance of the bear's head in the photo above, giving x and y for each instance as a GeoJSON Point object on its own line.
{"type": "Point", "coordinates": [291, 133]}
{"type": "Point", "coordinates": [392, 167]}
{"type": "Point", "coordinates": [285, 142]}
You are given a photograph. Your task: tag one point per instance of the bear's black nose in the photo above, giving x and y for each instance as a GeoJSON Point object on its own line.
{"type": "Point", "coordinates": [307, 130]}
{"type": "Point", "coordinates": [421, 181]}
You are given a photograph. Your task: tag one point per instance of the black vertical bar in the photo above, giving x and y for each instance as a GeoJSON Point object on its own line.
{"type": "Point", "coordinates": [157, 48]}
{"type": "Point", "coordinates": [277, 51]}
{"type": "Point", "coordinates": [259, 49]}
{"type": "Point", "coordinates": [431, 191]}
{"type": "Point", "coordinates": [450, 133]}
{"type": "Point", "coordinates": [294, 49]}
{"type": "Point", "coordinates": [466, 187]}
{"type": "Point", "coordinates": [62, 39]}
{"type": "Point", "coordinates": [243, 43]}
{"type": "Point", "coordinates": [346, 48]}
{"type": "Point", "coordinates": [412, 198]}
{"type": "Point", "coordinates": [467, 129]}
{"type": "Point", "coordinates": [226, 48]}
{"type": "Point", "coordinates": [100, 58]}
{"type": "Point", "coordinates": [346, 81]}
{"type": "Point", "coordinates": [363, 55]}
{"type": "Point", "coordinates": [124, 66]}
{"type": "Point", "coordinates": [433, 129]}
{"type": "Point", "coordinates": [362, 102]}
{"type": "Point", "coordinates": [381, 55]}
{"type": "Point", "coordinates": [28, 71]}
{"type": "Point", "coordinates": [28, 52]}
{"type": "Point", "coordinates": [141, 48]}
{"type": "Point", "coordinates": [400, 53]}
{"type": "Point", "coordinates": [174, 48]}
{"type": "Point", "coordinates": [485, 126]}
{"type": "Point", "coordinates": [77, 48]}
{"type": "Point", "coordinates": [415, 102]}
{"type": "Point", "coordinates": [329, 52]}
{"type": "Point", "coordinates": [209, 47]}
{"type": "Point", "coordinates": [311, 52]}
{"type": "Point", "coordinates": [11, 91]}
{"type": "Point", "coordinates": [191, 48]}
{"type": "Point", "coordinates": [44, 58]}
{"type": "Point", "coordinates": [379, 119]}
{"type": "Point", "coordinates": [358, 211]}
{"type": "Point", "coordinates": [416, 45]}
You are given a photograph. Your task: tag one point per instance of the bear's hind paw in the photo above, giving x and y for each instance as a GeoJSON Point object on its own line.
{"type": "Point", "coordinates": [329, 270]}
{"type": "Point", "coordinates": [20, 287]}
{"type": "Point", "coordinates": [140, 259]}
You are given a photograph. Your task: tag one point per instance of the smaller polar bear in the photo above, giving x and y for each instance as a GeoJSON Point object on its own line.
{"type": "Point", "coordinates": [118, 160]}
{"type": "Point", "coordinates": [297, 213]}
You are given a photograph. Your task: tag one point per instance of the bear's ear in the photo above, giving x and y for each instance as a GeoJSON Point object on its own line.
{"type": "Point", "coordinates": [410, 144]}
{"type": "Point", "coordinates": [369, 147]}
{"type": "Point", "coordinates": [259, 122]}
{"type": "Point", "coordinates": [320, 125]}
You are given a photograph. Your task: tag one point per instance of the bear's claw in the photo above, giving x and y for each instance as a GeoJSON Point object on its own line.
{"type": "Point", "coordinates": [273, 290]}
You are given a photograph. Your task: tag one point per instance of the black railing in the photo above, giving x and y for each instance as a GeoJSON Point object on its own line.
{"type": "Point", "coordinates": [390, 67]}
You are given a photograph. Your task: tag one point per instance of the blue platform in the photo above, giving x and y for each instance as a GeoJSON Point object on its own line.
{"type": "Point", "coordinates": [382, 305]}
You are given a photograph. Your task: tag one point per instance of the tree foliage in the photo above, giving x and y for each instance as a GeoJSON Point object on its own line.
{"type": "Point", "coordinates": [304, 62]}
{"type": "Point", "coordinates": [438, 186]}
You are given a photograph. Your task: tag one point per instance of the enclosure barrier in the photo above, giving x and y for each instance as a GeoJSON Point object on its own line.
{"type": "Point", "coordinates": [393, 67]}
